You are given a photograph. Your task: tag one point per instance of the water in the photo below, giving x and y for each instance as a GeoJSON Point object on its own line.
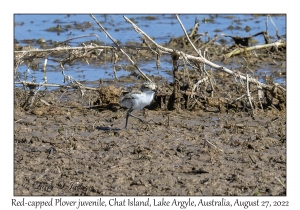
{"type": "Point", "coordinates": [30, 28]}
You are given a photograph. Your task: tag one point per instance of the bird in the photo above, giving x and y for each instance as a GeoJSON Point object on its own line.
{"type": "Point", "coordinates": [138, 99]}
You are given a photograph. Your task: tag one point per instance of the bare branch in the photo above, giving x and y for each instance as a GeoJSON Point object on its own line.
{"type": "Point", "coordinates": [187, 36]}
{"type": "Point", "coordinates": [116, 43]}
{"type": "Point", "coordinates": [240, 50]}
{"type": "Point", "coordinates": [25, 83]}
{"type": "Point", "coordinates": [197, 59]}
{"type": "Point", "coordinates": [248, 94]}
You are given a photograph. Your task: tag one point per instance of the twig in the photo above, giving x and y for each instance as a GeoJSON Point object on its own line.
{"type": "Point", "coordinates": [199, 82]}
{"type": "Point", "coordinates": [116, 43]}
{"type": "Point", "coordinates": [248, 94]}
{"type": "Point", "coordinates": [253, 161]}
{"type": "Point", "coordinates": [31, 98]}
{"type": "Point", "coordinates": [86, 47]}
{"type": "Point", "coordinates": [24, 83]}
{"type": "Point", "coordinates": [212, 40]}
{"type": "Point", "coordinates": [61, 95]}
{"type": "Point", "coordinates": [260, 95]}
{"type": "Point", "coordinates": [45, 102]}
{"type": "Point", "coordinates": [76, 37]}
{"type": "Point", "coordinates": [176, 91]}
{"type": "Point", "coordinates": [213, 145]}
{"type": "Point", "coordinates": [247, 65]}
{"type": "Point", "coordinates": [94, 125]}
{"type": "Point", "coordinates": [278, 36]}
{"type": "Point", "coordinates": [195, 28]}
{"type": "Point", "coordinates": [94, 47]}
{"type": "Point", "coordinates": [115, 58]}
{"type": "Point", "coordinates": [187, 36]}
{"type": "Point", "coordinates": [280, 181]}
{"type": "Point", "coordinates": [210, 79]}
{"type": "Point", "coordinates": [239, 98]}
{"type": "Point", "coordinates": [199, 52]}
{"type": "Point", "coordinates": [45, 76]}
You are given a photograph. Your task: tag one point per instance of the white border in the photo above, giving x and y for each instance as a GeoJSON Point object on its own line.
{"type": "Point", "coordinates": [153, 6]}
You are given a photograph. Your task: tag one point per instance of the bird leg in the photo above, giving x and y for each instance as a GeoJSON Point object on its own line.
{"type": "Point", "coordinates": [129, 114]}
{"type": "Point", "coordinates": [137, 117]}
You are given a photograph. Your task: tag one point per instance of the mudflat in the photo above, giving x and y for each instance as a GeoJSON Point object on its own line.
{"type": "Point", "coordinates": [64, 150]}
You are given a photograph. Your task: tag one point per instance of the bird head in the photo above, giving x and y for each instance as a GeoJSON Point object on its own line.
{"type": "Point", "coordinates": [149, 86]}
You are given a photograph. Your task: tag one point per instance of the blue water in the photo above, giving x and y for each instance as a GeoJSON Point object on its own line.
{"type": "Point", "coordinates": [160, 27]}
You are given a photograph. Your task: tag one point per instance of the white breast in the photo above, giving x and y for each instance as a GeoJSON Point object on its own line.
{"type": "Point", "coordinates": [137, 100]}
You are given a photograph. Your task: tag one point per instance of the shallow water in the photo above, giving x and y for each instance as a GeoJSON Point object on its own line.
{"type": "Point", "coordinates": [29, 28]}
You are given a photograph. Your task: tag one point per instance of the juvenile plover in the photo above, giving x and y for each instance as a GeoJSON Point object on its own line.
{"type": "Point", "coordinates": [138, 99]}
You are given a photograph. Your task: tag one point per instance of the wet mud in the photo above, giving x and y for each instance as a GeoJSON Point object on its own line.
{"type": "Point", "coordinates": [64, 150]}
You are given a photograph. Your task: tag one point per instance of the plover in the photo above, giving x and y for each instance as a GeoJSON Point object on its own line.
{"type": "Point", "coordinates": [138, 99]}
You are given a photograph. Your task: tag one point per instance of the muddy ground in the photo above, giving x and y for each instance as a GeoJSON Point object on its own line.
{"type": "Point", "coordinates": [64, 149]}
{"type": "Point", "coordinates": [67, 144]}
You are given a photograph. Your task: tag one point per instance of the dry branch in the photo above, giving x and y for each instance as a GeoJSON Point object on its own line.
{"type": "Point", "coordinates": [241, 50]}
{"type": "Point", "coordinates": [187, 36]}
{"type": "Point", "coordinates": [210, 41]}
{"type": "Point", "coordinates": [198, 51]}
{"type": "Point", "coordinates": [196, 62]}
{"type": "Point", "coordinates": [248, 94]}
{"type": "Point", "coordinates": [200, 59]}
{"type": "Point", "coordinates": [33, 84]}
{"type": "Point", "coordinates": [176, 91]}
{"type": "Point", "coordinates": [67, 48]}
{"type": "Point", "coordinates": [118, 46]}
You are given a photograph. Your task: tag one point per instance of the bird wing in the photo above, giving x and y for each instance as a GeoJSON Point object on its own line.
{"type": "Point", "coordinates": [131, 95]}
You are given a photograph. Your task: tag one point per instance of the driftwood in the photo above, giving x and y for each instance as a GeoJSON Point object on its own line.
{"type": "Point", "coordinates": [237, 51]}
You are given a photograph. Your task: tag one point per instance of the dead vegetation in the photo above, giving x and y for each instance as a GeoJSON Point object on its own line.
{"type": "Point", "coordinates": [198, 82]}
